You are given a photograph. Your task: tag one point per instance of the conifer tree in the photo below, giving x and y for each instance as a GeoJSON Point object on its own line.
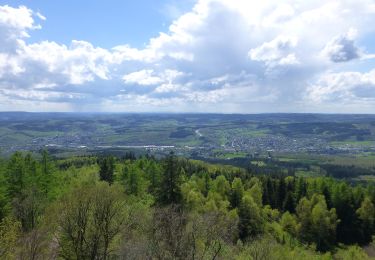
{"type": "Point", "coordinates": [107, 166]}
{"type": "Point", "coordinates": [169, 192]}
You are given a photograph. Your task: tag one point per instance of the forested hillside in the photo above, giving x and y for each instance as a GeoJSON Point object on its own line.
{"type": "Point", "coordinates": [93, 207]}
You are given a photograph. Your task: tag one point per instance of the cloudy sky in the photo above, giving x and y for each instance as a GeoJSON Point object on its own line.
{"type": "Point", "coordinates": [230, 56]}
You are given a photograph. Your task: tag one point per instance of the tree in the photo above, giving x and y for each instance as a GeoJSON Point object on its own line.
{"type": "Point", "coordinates": [169, 239]}
{"type": "Point", "coordinates": [289, 203]}
{"type": "Point", "coordinates": [193, 199]}
{"type": "Point", "coordinates": [236, 192]}
{"type": "Point", "coordinates": [210, 232]}
{"type": "Point", "coordinates": [317, 224]}
{"type": "Point", "coordinates": [107, 166]}
{"type": "Point", "coordinates": [301, 189]}
{"type": "Point", "coordinates": [366, 214]}
{"type": "Point", "coordinates": [15, 175]}
{"type": "Point", "coordinates": [349, 228]}
{"type": "Point", "coordinates": [207, 183]}
{"type": "Point", "coordinates": [169, 192]}
{"type": "Point", "coordinates": [9, 234]}
{"type": "Point", "coordinates": [261, 248]}
{"type": "Point", "coordinates": [133, 180]}
{"type": "Point", "coordinates": [289, 223]}
{"type": "Point", "coordinates": [324, 224]}
{"type": "Point", "coordinates": [281, 193]}
{"type": "Point", "coordinates": [256, 193]}
{"type": "Point", "coordinates": [34, 245]}
{"type": "Point", "coordinates": [269, 194]}
{"type": "Point", "coordinates": [88, 221]}
{"type": "Point", "coordinates": [45, 178]}
{"type": "Point", "coordinates": [221, 186]}
{"type": "Point", "coordinates": [45, 162]}
{"type": "Point", "coordinates": [29, 207]}
{"type": "Point", "coordinates": [4, 199]}
{"type": "Point", "coordinates": [251, 222]}
{"type": "Point", "coordinates": [153, 173]}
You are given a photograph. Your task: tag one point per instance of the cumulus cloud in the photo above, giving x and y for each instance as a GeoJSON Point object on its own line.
{"type": "Point", "coordinates": [343, 87]}
{"type": "Point", "coordinates": [149, 77]}
{"type": "Point", "coordinates": [14, 25]}
{"type": "Point", "coordinates": [342, 48]}
{"type": "Point", "coordinates": [222, 56]}
{"type": "Point", "coordinates": [45, 61]}
{"type": "Point", "coordinates": [278, 50]}
{"type": "Point", "coordinates": [142, 77]}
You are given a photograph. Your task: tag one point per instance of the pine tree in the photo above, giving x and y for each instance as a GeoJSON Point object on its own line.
{"type": "Point", "coordinates": [169, 192]}
{"type": "Point", "coordinates": [281, 193]}
{"type": "Point", "coordinates": [301, 189]}
{"type": "Point", "coordinates": [45, 162]}
{"type": "Point", "coordinates": [366, 214]}
{"type": "Point", "coordinates": [207, 183]}
{"type": "Point", "coordinates": [15, 175]}
{"type": "Point", "coordinates": [153, 175]}
{"type": "Point", "coordinates": [107, 166]}
{"type": "Point", "coordinates": [251, 222]}
{"type": "Point", "coordinates": [236, 192]}
{"type": "Point", "coordinates": [289, 203]}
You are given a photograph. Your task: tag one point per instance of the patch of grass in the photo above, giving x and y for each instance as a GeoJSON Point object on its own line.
{"type": "Point", "coordinates": [366, 161]}
{"type": "Point", "coordinates": [365, 178]}
{"type": "Point", "coordinates": [305, 173]}
{"type": "Point", "coordinates": [231, 155]}
{"type": "Point", "coordinates": [258, 163]}
{"type": "Point", "coordinates": [367, 143]}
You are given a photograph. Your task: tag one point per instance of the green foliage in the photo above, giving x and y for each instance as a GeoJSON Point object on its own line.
{"type": "Point", "coordinates": [193, 199]}
{"type": "Point", "coordinates": [350, 253]}
{"type": "Point", "coordinates": [210, 232]}
{"type": "Point", "coordinates": [236, 192]}
{"type": "Point", "coordinates": [107, 167]}
{"type": "Point", "coordinates": [317, 224]}
{"type": "Point", "coordinates": [9, 234]}
{"type": "Point", "coordinates": [88, 221]}
{"type": "Point", "coordinates": [174, 208]}
{"type": "Point", "coordinates": [153, 175]}
{"type": "Point", "coordinates": [4, 199]}
{"type": "Point", "coordinates": [221, 186]}
{"type": "Point", "coordinates": [289, 223]}
{"type": "Point", "coordinates": [256, 192]}
{"type": "Point", "coordinates": [265, 248]}
{"type": "Point", "coordinates": [15, 174]}
{"type": "Point", "coordinates": [29, 207]}
{"type": "Point", "coordinates": [251, 220]}
{"type": "Point", "coordinates": [169, 192]}
{"type": "Point", "coordinates": [366, 214]}
{"type": "Point", "coordinates": [134, 180]}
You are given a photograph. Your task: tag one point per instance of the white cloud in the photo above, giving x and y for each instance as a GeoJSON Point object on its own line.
{"type": "Point", "coordinates": [149, 77]}
{"type": "Point", "coordinates": [76, 64]}
{"type": "Point", "coordinates": [344, 87]}
{"type": "Point", "coordinates": [279, 51]}
{"type": "Point", "coordinates": [248, 56]}
{"type": "Point", "coordinates": [38, 95]}
{"type": "Point", "coordinates": [14, 25]}
{"type": "Point", "coordinates": [9, 65]}
{"type": "Point", "coordinates": [342, 48]}
{"type": "Point", "coordinates": [40, 16]}
{"type": "Point", "coordinates": [142, 77]}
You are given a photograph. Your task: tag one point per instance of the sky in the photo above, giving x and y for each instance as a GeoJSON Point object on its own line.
{"type": "Point", "coordinates": [220, 56]}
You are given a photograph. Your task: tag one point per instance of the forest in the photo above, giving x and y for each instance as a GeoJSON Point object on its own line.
{"type": "Point", "coordinates": [105, 207]}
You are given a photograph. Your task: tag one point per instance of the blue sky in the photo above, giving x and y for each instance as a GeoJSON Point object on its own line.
{"type": "Point", "coordinates": [103, 23]}
{"type": "Point", "coordinates": [225, 56]}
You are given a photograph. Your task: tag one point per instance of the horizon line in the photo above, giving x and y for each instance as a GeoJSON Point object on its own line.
{"type": "Point", "coordinates": [184, 113]}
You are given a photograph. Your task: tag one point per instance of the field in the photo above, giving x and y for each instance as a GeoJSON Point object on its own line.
{"type": "Point", "coordinates": [305, 144]}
